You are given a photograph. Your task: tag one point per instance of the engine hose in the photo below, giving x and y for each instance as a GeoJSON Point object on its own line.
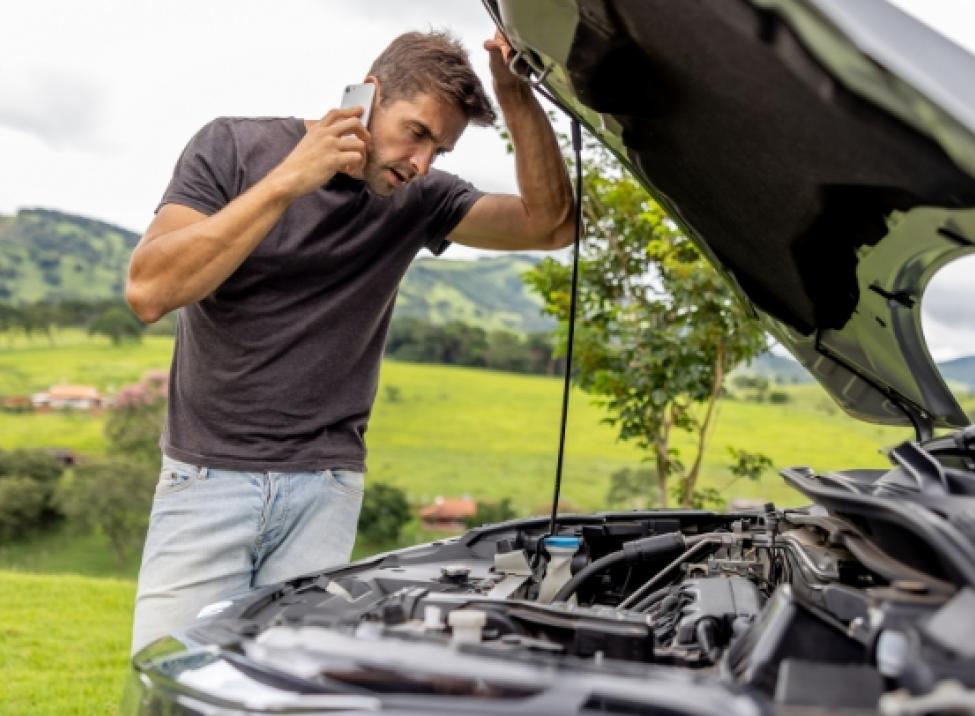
{"type": "Point", "coordinates": [634, 551]}
{"type": "Point", "coordinates": [570, 587]}
{"type": "Point", "coordinates": [698, 543]}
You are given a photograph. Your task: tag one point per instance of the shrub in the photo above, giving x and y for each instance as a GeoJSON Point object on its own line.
{"type": "Point", "coordinates": [111, 498]}
{"type": "Point", "coordinates": [385, 511]}
{"type": "Point", "coordinates": [35, 464]}
{"type": "Point", "coordinates": [778, 396]}
{"type": "Point", "coordinates": [22, 502]}
{"type": "Point", "coordinates": [491, 512]}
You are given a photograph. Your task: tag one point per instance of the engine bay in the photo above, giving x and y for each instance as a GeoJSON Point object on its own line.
{"type": "Point", "coordinates": [795, 607]}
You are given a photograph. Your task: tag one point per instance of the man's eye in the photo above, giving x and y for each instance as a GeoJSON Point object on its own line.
{"type": "Point", "coordinates": [417, 132]}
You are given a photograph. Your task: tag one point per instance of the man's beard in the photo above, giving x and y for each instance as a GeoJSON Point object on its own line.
{"type": "Point", "coordinates": [384, 179]}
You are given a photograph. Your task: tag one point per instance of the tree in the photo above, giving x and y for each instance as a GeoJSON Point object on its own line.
{"type": "Point", "coordinates": [28, 479]}
{"type": "Point", "coordinates": [119, 324]}
{"type": "Point", "coordinates": [385, 511]}
{"type": "Point", "coordinates": [491, 513]}
{"type": "Point", "coordinates": [657, 328]}
{"type": "Point", "coordinates": [629, 488]}
{"type": "Point", "coordinates": [22, 502]}
{"type": "Point", "coordinates": [135, 422]}
{"type": "Point", "coordinates": [112, 498]}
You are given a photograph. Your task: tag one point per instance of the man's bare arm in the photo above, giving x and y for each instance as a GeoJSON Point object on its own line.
{"type": "Point", "coordinates": [541, 216]}
{"type": "Point", "coordinates": [185, 254]}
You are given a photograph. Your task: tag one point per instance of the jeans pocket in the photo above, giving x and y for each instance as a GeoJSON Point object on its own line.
{"type": "Point", "coordinates": [348, 481]}
{"type": "Point", "coordinates": [174, 477]}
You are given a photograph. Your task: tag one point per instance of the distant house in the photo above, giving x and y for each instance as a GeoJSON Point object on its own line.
{"type": "Point", "coordinates": [448, 513]}
{"type": "Point", "coordinates": [68, 397]}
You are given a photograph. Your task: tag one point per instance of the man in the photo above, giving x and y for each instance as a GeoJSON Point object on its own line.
{"type": "Point", "coordinates": [284, 242]}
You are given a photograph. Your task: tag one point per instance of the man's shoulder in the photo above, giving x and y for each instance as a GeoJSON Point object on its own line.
{"type": "Point", "coordinates": [246, 130]}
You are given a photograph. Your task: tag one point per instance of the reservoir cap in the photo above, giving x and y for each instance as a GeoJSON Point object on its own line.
{"type": "Point", "coordinates": [563, 542]}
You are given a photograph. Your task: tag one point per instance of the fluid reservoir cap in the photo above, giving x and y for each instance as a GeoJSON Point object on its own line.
{"type": "Point", "coordinates": [467, 618]}
{"type": "Point", "coordinates": [563, 542]}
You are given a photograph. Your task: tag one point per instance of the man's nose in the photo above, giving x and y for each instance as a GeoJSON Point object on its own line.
{"type": "Point", "coordinates": [421, 160]}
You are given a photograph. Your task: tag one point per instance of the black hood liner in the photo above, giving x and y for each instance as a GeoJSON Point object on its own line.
{"type": "Point", "coordinates": [783, 170]}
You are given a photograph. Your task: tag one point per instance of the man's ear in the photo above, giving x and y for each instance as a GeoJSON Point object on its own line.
{"type": "Point", "coordinates": [372, 79]}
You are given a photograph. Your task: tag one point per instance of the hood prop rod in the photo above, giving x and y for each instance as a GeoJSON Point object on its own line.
{"type": "Point", "coordinates": [577, 148]}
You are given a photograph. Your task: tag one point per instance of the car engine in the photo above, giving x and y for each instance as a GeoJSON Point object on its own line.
{"type": "Point", "coordinates": [853, 603]}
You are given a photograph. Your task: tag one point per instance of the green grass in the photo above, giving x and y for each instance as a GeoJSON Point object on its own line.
{"type": "Point", "coordinates": [456, 431]}
{"type": "Point", "coordinates": [30, 365]}
{"type": "Point", "coordinates": [64, 643]}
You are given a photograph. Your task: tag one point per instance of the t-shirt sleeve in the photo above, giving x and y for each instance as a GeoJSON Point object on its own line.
{"type": "Point", "coordinates": [205, 175]}
{"type": "Point", "coordinates": [449, 198]}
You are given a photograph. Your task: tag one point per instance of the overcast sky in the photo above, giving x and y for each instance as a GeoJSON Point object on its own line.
{"type": "Point", "coordinates": [98, 97]}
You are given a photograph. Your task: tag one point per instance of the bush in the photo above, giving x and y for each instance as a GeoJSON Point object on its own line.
{"type": "Point", "coordinates": [22, 502]}
{"type": "Point", "coordinates": [778, 396]}
{"type": "Point", "coordinates": [385, 511]}
{"type": "Point", "coordinates": [491, 512]}
{"type": "Point", "coordinates": [631, 488]}
{"type": "Point", "coordinates": [111, 498]}
{"type": "Point", "coordinates": [35, 464]}
{"type": "Point", "coordinates": [43, 471]}
{"type": "Point", "coordinates": [135, 422]}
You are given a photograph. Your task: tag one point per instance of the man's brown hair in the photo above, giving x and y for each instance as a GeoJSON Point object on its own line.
{"type": "Point", "coordinates": [433, 63]}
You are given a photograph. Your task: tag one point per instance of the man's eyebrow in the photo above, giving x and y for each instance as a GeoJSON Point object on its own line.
{"type": "Point", "coordinates": [426, 130]}
{"type": "Point", "coordinates": [441, 148]}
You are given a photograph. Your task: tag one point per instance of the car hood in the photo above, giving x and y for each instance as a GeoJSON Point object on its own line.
{"type": "Point", "coordinates": [820, 152]}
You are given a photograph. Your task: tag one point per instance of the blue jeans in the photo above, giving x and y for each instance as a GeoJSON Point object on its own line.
{"type": "Point", "coordinates": [215, 533]}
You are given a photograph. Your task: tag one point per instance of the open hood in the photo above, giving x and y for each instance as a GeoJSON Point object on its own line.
{"type": "Point", "coordinates": [820, 152]}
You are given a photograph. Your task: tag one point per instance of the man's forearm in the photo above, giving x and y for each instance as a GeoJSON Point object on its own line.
{"type": "Point", "coordinates": [177, 267]}
{"type": "Point", "coordinates": [543, 182]}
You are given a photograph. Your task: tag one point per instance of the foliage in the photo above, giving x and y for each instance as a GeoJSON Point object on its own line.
{"type": "Point", "coordinates": [119, 324]}
{"type": "Point", "coordinates": [748, 465]}
{"type": "Point", "coordinates": [629, 488]}
{"type": "Point", "coordinates": [35, 464]}
{"type": "Point", "coordinates": [135, 422]}
{"type": "Point", "coordinates": [111, 498]}
{"type": "Point", "coordinates": [385, 510]}
{"type": "Point", "coordinates": [22, 501]}
{"type": "Point", "coordinates": [657, 327]}
{"type": "Point", "coordinates": [491, 512]}
{"type": "Point", "coordinates": [27, 480]}
{"type": "Point", "coordinates": [459, 343]}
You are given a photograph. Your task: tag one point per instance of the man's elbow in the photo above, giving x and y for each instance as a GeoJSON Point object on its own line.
{"type": "Point", "coordinates": [142, 302]}
{"type": "Point", "coordinates": [561, 236]}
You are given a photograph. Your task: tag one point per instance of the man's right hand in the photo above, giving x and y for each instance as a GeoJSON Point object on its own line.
{"type": "Point", "coordinates": [336, 143]}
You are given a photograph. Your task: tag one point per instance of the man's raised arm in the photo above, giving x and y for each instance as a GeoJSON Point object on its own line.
{"type": "Point", "coordinates": [185, 254]}
{"type": "Point", "coordinates": [541, 216]}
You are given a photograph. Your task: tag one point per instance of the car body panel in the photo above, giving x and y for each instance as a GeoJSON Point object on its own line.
{"type": "Point", "coordinates": [827, 173]}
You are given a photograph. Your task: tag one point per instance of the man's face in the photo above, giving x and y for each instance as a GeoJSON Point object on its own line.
{"type": "Point", "coordinates": [407, 135]}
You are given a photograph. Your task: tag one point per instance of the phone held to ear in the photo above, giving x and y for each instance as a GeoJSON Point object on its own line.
{"type": "Point", "coordinates": [360, 96]}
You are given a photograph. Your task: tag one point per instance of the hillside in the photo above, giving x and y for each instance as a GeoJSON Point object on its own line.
{"type": "Point", "coordinates": [47, 254]}
{"type": "Point", "coordinates": [960, 370]}
{"type": "Point", "coordinates": [487, 292]}
{"type": "Point", "coordinates": [50, 255]}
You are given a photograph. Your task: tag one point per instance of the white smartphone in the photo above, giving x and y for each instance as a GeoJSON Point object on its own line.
{"type": "Point", "coordinates": [360, 96]}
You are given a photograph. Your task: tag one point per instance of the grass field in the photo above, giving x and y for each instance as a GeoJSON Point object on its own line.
{"type": "Point", "coordinates": [454, 430]}
{"type": "Point", "coordinates": [63, 644]}
{"type": "Point", "coordinates": [436, 430]}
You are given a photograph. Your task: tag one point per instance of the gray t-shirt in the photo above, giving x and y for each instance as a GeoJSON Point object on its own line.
{"type": "Point", "coordinates": [277, 369]}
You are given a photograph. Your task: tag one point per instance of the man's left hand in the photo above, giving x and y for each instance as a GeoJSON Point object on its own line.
{"type": "Point", "coordinates": [499, 55]}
